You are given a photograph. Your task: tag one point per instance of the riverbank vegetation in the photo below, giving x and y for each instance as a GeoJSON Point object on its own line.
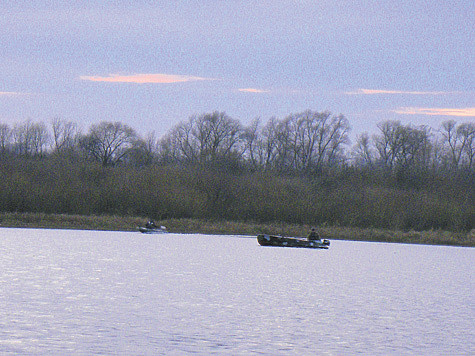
{"type": "Point", "coordinates": [243, 229]}
{"type": "Point", "coordinates": [299, 171]}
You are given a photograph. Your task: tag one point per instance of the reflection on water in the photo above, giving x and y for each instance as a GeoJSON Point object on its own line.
{"type": "Point", "coordinates": [84, 293]}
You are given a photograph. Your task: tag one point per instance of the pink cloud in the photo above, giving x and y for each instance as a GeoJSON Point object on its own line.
{"type": "Point", "coordinates": [465, 112]}
{"type": "Point", "coordinates": [158, 78]}
{"type": "Point", "coordinates": [383, 91]}
{"type": "Point", "coordinates": [253, 90]}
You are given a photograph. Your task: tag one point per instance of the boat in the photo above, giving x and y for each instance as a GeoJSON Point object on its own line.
{"type": "Point", "coordinates": [272, 240]}
{"type": "Point", "coordinates": [154, 230]}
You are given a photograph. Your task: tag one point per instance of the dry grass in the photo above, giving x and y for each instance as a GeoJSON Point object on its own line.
{"type": "Point", "coordinates": [119, 223]}
{"type": "Point", "coordinates": [62, 221]}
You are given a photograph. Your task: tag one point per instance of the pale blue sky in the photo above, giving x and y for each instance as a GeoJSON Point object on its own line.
{"type": "Point", "coordinates": [151, 64]}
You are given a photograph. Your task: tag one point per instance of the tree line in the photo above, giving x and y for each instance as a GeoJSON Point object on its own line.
{"type": "Point", "coordinates": [300, 143]}
{"type": "Point", "coordinates": [299, 169]}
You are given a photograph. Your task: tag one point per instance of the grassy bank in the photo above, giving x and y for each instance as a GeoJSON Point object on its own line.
{"type": "Point", "coordinates": [118, 223]}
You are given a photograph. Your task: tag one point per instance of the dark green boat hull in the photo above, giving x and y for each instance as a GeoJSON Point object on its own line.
{"type": "Point", "coordinates": [271, 240]}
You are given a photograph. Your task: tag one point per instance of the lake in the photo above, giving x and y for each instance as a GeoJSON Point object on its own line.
{"type": "Point", "coordinates": [125, 293]}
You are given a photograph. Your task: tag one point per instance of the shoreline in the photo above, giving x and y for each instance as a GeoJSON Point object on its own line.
{"type": "Point", "coordinates": [127, 223]}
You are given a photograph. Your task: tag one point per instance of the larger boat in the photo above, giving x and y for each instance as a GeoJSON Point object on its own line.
{"type": "Point", "coordinates": [272, 240]}
{"type": "Point", "coordinates": [153, 230]}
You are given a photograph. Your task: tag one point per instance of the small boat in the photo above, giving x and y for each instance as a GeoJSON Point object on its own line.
{"type": "Point", "coordinates": [154, 230]}
{"type": "Point", "coordinates": [271, 240]}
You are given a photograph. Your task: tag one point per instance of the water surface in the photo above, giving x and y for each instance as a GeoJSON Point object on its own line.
{"type": "Point", "coordinates": [88, 292]}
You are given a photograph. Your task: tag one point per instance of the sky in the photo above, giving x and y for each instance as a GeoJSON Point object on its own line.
{"type": "Point", "coordinates": [152, 64]}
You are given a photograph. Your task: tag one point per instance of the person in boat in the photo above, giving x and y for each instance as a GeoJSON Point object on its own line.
{"type": "Point", "coordinates": [313, 235]}
{"type": "Point", "coordinates": [150, 225]}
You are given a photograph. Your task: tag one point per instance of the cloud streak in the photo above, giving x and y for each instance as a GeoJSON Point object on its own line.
{"type": "Point", "coordinates": [150, 78]}
{"type": "Point", "coordinates": [393, 92]}
{"type": "Point", "coordinates": [464, 112]}
{"type": "Point", "coordinates": [253, 90]}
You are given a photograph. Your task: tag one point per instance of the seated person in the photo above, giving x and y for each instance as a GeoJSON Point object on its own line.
{"type": "Point", "coordinates": [313, 235]}
{"type": "Point", "coordinates": [150, 225]}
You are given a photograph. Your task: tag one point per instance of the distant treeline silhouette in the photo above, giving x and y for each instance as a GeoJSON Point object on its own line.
{"type": "Point", "coordinates": [300, 169]}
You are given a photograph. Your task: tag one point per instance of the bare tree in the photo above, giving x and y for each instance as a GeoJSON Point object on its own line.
{"type": "Point", "coordinates": [305, 141]}
{"type": "Point", "coordinates": [399, 146]}
{"type": "Point", "coordinates": [470, 145]}
{"type": "Point", "coordinates": [109, 142]}
{"type": "Point", "coordinates": [144, 151]}
{"type": "Point", "coordinates": [268, 144]}
{"type": "Point", "coordinates": [362, 151]}
{"type": "Point", "coordinates": [217, 135]}
{"type": "Point", "coordinates": [388, 142]}
{"type": "Point", "coordinates": [310, 140]}
{"type": "Point", "coordinates": [334, 135]}
{"type": "Point", "coordinates": [459, 141]}
{"type": "Point", "coordinates": [30, 139]}
{"type": "Point", "coordinates": [287, 150]}
{"type": "Point", "coordinates": [179, 144]}
{"type": "Point", "coordinates": [65, 136]}
{"type": "Point", "coordinates": [5, 137]}
{"type": "Point", "coordinates": [251, 139]}
{"type": "Point", "coordinates": [206, 138]}
{"type": "Point", "coordinates": [262, 143]}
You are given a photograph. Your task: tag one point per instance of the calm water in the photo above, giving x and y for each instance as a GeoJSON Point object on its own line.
{"type": "Point", "coordinates": [88, 293]}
